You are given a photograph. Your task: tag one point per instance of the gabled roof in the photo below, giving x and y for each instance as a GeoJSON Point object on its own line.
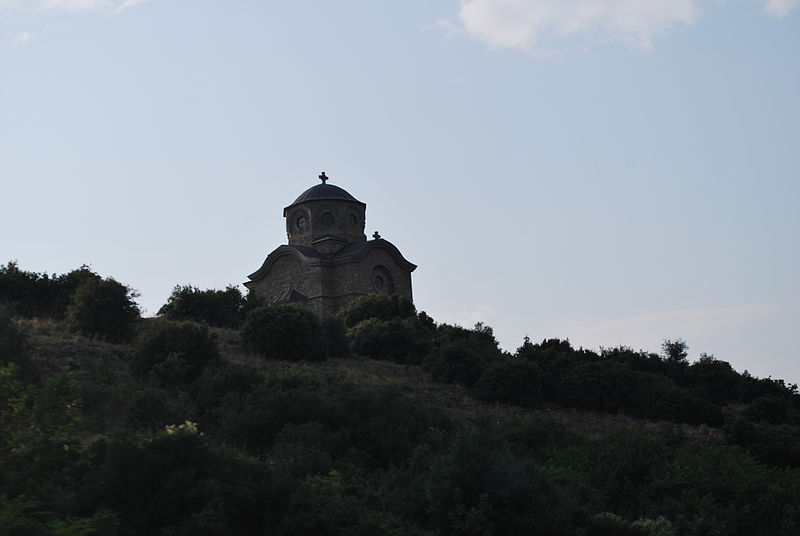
{"type": "Point", "coordinates": [289, 295]}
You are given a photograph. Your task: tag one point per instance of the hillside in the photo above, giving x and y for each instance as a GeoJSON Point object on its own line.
{"type": "Point", "coordinates": [356, 446]}
{"type": "Point", "coordinates": [56, 348]}
{"type": "Point", "coordinates": [225, 416]}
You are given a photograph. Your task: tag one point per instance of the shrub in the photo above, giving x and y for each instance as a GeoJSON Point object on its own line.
{"type": "Point", "coordinates": [774, 410]}
{"type": "Point", "coordinates": [176, 483]}
{"type": "Point", "coordinates": [28, 293]}
{"type": "Point", "coordinates": [456, 361]}
{"type": "Point", "coordinates": [103, 308]}
{"type": "Point", "coordinates": [221, 308]}
{"type": "Point", "coordinates": [380, 306]}
{"type": "Point", "coordinates": [284, 332]}
{"type": "Point", "coordinates": [152, 407]}
{"type": "Point", "coordinates": [174, 352]}
{"type": "Point", "coordinates": [510, 380]}
{"type": "Point", "coordinates": [397, 340]}
{"type": "Point", "coordinates": [479, 487]}
{"type": "Point", "coordinates": [335, 336]}
{"type": "Point", "coordinates": [32, 294]}
{"type": "Point", "coordinates": [459, 355]}
{"type": "Point", "coordinates": [215, 383]}
{"type": "Point", "coordinates": [773, 444]}
{"type": "Point", "coordinates": [609, 524]}
{"type": "Point", "coordinates": [13, 347]}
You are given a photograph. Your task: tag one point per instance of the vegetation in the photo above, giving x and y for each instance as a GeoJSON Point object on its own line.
{"type": "Point", "coordinates": [191, 429]}
{"type": "Point", "coordinates": [285, 332]}
{"type": "Point", "coordinates": [220, 308]}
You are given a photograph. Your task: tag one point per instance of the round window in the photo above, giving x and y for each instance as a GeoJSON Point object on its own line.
{"type": "Point", "coordinates": [301, 223]}
{"type": "Point", "coordinates": [327, 218]}
{"type": "Point", "coordinates": [378, 283]}
{"type": "Point", "coordinates": [353, 219]}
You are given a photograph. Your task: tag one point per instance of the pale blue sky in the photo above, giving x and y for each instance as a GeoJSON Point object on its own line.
{"type": "Point", "coordinates": [612, 171]}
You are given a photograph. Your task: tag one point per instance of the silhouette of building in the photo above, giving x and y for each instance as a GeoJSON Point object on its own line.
{"type": "Point", "coordinates": [328, 261]}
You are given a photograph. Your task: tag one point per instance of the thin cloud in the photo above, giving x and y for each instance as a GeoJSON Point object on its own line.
{"type": "Point", "coordinates": [73, 6]}
{"type": "Point", "coordinates": [127, 4]}
{"type": "Point", "coordinates": [536, 24]}
{"type": "Point", "coordinates": [779, 8]}
{"type": "Point", "coordinates": [57, 7]}
{"type": "Point", "coordinates": [546, 26]}
{"type": "Point", "coordinates": [22, 38]}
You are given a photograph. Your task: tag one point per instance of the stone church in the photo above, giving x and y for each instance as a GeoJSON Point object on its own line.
{"type": "Point", "coordinates": [328, 261]}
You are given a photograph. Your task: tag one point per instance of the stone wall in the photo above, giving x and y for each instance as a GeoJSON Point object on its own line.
{"type": "Point", "coordinates": [330, 285]}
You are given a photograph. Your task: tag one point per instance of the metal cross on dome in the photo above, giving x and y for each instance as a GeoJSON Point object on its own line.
{"type": "Point", "coordinates": [323, 178]}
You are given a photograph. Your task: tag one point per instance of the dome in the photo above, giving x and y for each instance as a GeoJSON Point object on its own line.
{"type": "Point", "coordinates": [325, 192]}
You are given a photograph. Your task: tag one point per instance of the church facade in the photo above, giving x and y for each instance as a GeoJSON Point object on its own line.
{"type": "Point", "coordinates": [328, 261]}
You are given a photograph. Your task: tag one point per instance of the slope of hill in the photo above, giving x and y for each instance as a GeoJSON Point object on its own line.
{"type": "Point", "coordinates": [247, 445]}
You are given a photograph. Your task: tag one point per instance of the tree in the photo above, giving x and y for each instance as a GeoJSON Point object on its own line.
{"type": "Point", "coordinates": [174, 352]}
{"type": "Point", "coordinates": [220, 308]}
{"type": "Point", "coordinates": [103, 308]}
{"type": "Point", "coordinates": [511, 380]}
{"type": "Point", "coordinates": [380, 306]}
{"type": "Point", "coordinates": [284, 332]}
{"type": "Point", "coordinates": [676, 350]}
{"type": "Point", "coordinates": [400, 341]}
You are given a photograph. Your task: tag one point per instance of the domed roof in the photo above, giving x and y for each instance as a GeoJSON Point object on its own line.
{"type": "Point", "coordinates": [324, 191]}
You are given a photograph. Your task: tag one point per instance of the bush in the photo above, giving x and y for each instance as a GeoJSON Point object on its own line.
{"type": "Point", "coordinates": [13, 347]}
{"type": "Point", "coordinates": [176, 483]}
{"type": "Point", "coordinates": [380, 306]}
{"type": "Point", "coordinates": [32, 294]}
{"type": "Point", "coordinates": [175, 353]}
{"type": "Point", "coordinates": [397, 340]}
{"type": "Point", "coordinates": [335, 336]}
{"type": "Point", "coordinates": [221, 308]}
{"type": "Point", "coordinates": [774, 410]}
{"type": "Point", "coordinates": [773, 444]}
{"type": "Point", "coordinates": [510, 380]}
{"type": "Point", "coordinates": [459, 355]}
{"type": "Point", "coordinates": [284, 332]}
{"type": "Point", "coordinates": [103, 308]}
{"type": "Point", "coordinates": [479, 487]}
{"type": "Point", "coordinates": [215, 383]}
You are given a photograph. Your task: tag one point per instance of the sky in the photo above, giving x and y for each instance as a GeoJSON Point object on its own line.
{"type": "Point", "coordinates": [615, 172]}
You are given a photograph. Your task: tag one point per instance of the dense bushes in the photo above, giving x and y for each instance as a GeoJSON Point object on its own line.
{"type": "Point", "coordinates": [32, 294]}
{"type": "Point", "coordinates": [510, 380]}
{"type": "Point", "coordinates": [398, 340]}
{"type": "Point", "coordinates": [13, 347]}
{"type": "Point", "coordinates": [301, 451]}
{"type": "Point", "coordinates": [103, 308]}
{"type": "Point", "coordinates": [92, 305]}
{"type": "Point", "coordinates": [377, 306]}
{"type": "Point", "coordinates": [285, 332]}
{"type": "Point", "coordinates": [460, 355]}
{"type": "Point", "coordinates": [220, 308]}
{"type": "Point", "coordinates": [174, 353]}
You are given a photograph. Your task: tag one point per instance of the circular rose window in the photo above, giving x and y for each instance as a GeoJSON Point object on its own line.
{"type": "Point", "coordinates": [301, 223]}
{"type": "Point", "coordinates": [327, 218]}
